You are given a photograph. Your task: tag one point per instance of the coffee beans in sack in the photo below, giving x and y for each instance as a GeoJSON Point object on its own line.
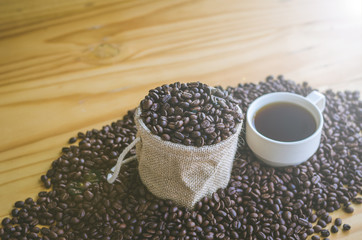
{"type": "Point", "coordinates": [188, 135]}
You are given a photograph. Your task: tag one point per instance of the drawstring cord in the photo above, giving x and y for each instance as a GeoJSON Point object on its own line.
{"type": "Point", "coordinates": [112, 176]}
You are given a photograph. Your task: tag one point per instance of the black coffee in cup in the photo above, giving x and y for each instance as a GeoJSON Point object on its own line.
{"type": "Point", "coordinates": [286, 122]}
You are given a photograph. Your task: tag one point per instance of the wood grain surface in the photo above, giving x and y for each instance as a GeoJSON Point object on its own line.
{"type": "Point", "coordinates": [72, 65]}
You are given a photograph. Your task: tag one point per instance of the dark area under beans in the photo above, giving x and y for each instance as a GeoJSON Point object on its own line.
{"type": "Point", "coordinates": [260, 202]}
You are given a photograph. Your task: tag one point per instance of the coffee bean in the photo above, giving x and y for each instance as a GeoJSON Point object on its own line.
{"type": "Point", "coordinates": [205, 124]}
{"type": "Point", "coordinates": [357, 200]}
{"type": "Point", "coordinates": [220, 126]}
{"type": "Point", "coordinates": [184, 105]}
{"type": "Point", "coordinates": [179, 135]}
{"type": "Point", "coordinates": [186, 95]}
{"type": "Point", "coordinates": [209, 130]}
{"type": "Point", "coordinates": [334, 229]}
{"type": "Point", "coordinates": [313, 218]}
{"type": "Point", "coordinates": [316, 179]}
{"type": "Point", "coordinates": [200, 142]}
{"type": "Point", "coordinates": [315, 237]}
{"type": "Point", "coordinates": [146, 104]}
{"type": "Point", "coordinates": [53, 235]}
{"type": "Point", "coordinates": [166, 137]}
{"type": "Point", "coordinates": [88, 195]}
{"type": "Point", "coordinates": [19, 204]}
{"type": "Point", "coordinates": [190, 224]}
{"type": "Point", "coordinates": [216, 197]}
{"type": "Point", "coordinates": [72, 140]}
{"type": "Point", "coordinates": [310, 231]}
{"type": "Point", "coordinates": [346, 227]}
{"type": "Point", "coordinates": [303, 222]}
{"type": "Point", "coordinates": [328, 219]}
{"type": "Point", "coordinates": [317, 228]}
{"type": "Point", "coordinates": [166, 98]}
{"type": "Point", "coordinates": [338, 222]}
{"type": "Point", "coordinates": [195, 134]}
{"type": "Point", "coordinates": [5, 221]}
{"type": "Point", "coordinates": [287, 215]}
{"type": "Point", "coordinates": [322, 223]}
{"type": "Point", "coordinates": [325, 233]}
{"type": "Point", "coordinates": [260, 235]}
{"type": "Point", "coordinates": [349, 209]}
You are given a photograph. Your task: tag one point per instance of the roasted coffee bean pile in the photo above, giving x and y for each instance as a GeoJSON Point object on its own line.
{"type": "Point", "coordinates": [260, 202]}
{"type": "Point", "coordinates": [190, 113]}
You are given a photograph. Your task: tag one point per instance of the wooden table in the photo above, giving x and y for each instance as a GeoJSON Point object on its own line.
{"type": "Point", "coordinates": [72, 65]}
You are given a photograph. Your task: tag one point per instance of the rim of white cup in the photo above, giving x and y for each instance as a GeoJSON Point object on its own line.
{"type": "Point", "coordinates": [250, 118]}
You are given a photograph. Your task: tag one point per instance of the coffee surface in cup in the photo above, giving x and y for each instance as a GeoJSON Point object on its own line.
{"type": "Point", "coordinates": [286, 122]}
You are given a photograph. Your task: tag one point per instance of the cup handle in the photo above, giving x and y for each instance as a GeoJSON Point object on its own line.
{"type": "Point", "coordinates": [317, 99]}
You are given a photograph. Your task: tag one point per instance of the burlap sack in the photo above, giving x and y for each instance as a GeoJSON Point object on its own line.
{"type": "Point", "coordinates": [184, 174]}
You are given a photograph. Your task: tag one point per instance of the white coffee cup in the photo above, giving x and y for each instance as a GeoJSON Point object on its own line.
{"type": "Point", "coordinates": [278, 153]}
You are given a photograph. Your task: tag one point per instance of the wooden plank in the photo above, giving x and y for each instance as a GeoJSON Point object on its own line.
{"type": "Point", "coordinates": [68, 66]}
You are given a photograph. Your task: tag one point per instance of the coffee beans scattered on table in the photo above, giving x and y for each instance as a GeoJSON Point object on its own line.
{"type": "Point", "coordinates": [260, 202]}
{"type": "Point", "coordinates": [325, 233]}
{"type": "Point", "coordinates": [190, 113]}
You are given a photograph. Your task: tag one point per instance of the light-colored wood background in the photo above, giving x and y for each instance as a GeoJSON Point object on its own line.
{"type": "Point", "coordinates": [72, 65]}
